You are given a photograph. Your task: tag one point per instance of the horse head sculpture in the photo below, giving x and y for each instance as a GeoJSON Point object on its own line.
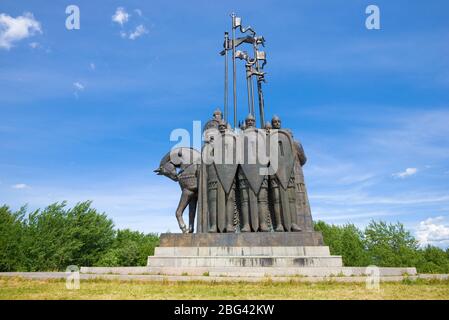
{"type": "Point", "coordinates": [167, 168]}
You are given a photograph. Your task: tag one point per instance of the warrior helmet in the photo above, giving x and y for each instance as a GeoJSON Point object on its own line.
{"type": "Point", "coordinates": [250, 121]}
{"type": "Point", "coordinates": [217, 114]}
{"type": "Point", "coordinates": [276, 122]}
{"type": "Point", "coordinates": [268, 125]}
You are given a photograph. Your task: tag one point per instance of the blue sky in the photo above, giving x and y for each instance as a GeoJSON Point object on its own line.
{"type": "Point", "coordinates": [87, 114]}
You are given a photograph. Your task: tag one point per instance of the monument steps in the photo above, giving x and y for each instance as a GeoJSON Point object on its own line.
{"type": "Point", "coordinates": [255, 272]}
{"type": "Point", "coordinates": [242, 251]}
{"type": "Point", "coordinates": [245, 261]}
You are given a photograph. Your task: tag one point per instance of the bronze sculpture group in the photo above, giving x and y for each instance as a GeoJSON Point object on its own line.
{"type": "Point", "coordinates": [235, 196]}
{"type": "Point", "coordinates": [245, 179]}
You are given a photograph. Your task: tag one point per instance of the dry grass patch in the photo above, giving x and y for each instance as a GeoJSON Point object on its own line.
{"type": "Point", "coordinates": [19, 288]}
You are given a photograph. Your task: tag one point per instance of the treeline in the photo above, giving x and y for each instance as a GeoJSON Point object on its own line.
{"type": "Point", "coordinates": [56, 237]}
{"type": "Point", "coordinates": [384, 245]}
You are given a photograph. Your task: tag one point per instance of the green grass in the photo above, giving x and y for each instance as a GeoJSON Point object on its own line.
{"type": "Point", "coordinates": [19, 288]}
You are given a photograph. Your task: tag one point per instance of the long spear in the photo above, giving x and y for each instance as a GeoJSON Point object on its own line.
{"type": "Point", "coordinates": [226, 40]}
{"type": "Point", "coordinates": [234, 81]}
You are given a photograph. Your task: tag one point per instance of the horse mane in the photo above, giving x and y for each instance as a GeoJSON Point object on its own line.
{"type": "Point", "coordinates": [166, 158]}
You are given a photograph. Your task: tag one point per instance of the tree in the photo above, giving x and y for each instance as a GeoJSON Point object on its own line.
{"type": "Point", "coordinates": [346, 241]}
{"type": "Point", "coordinates": [130, 248]}
{"type": "Point", "coordinates": [390, 245]}
{"type": "Point", "coordinates": [11, 230]}
{"type": "Point", "coordinates": [433, 260]}
{"type": "Point", "coordinates": [56, 237]}
{"type": "Point", "coordinates": [93, 231]}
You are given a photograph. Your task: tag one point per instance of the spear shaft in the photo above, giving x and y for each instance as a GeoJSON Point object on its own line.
{"type": "Point", "coordinates": [234, 70]}
{"type": "Point", "coordinates": [259, 90]}
{"type": "Point", "coordinates": [226, 41]}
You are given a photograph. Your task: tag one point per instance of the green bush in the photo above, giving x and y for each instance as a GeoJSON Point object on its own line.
{"type": "Point", "coordinates": [384, 245]}
{"type": "Point", "coordinates": [56, 237]}
{"type": "Point", "coordinates": [433, 260]}
{"type": "Point", "coordinates": [11, 230]}
{"type": "Point", "coordinates": [390, 245]}
{"type": "Point", "coordinates": [130, 248]}
{"type": "Point", "coordinates": [346, 241]}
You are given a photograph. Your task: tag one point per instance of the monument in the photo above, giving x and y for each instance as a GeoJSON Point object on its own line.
{"type": "Point", "coordinates": [249, 213]}
{"type": "Point", "coordinates": [245, 188]}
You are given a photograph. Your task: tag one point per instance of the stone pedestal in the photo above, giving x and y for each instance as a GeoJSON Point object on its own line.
{"type": "Point", "coordinates": [243, 250]}
{"type": "Point", "coordinates": [250, 239]}
{"type": "Point", "coordinates": [249, 256]}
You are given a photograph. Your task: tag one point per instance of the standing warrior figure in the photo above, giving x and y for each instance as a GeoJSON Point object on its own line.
{"type": "Point", "coordinates": [284, 194]}
{"type": "Point", "coordinates": [210, 132]}
{"type": "Point", "coordinates": [248, 198]}
{"type": "Point", "coordinates": [302, 200]}
{"type": "Point", "coordinates": [220, 144]}
{"type": "Point", "coordinates": [227, 171]}
{"type": "Point", "coordinates": [263, 197]}
{"type": "Point", "coordinates": [217, 117]}
{"type": "Point", "coordinates": [212, 182]}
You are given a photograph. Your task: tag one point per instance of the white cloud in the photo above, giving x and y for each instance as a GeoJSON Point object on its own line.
{"type": "Point", "coordinates": [15, 29]}
{"type": "Point", "coordinates": [78, 86]}
{"type": "Point", "coordinates": [20, 186]}
{"type": "Point", "coordinates": [120, 16]}
{"type": "Point", "coordinates": [35, 45]}
{"type": "Point", "coordinates": [407, 173]}
{"type": "Point", "coordinates": [432, 231]}
{"type": "Point", "coordinates": [139, 31]}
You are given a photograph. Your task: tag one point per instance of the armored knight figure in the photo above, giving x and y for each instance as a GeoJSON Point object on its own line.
{"type": "Point", "coordinates": [220, 179]}
{"type": "Point", "coordinates": [302, 200]}
{"type": "Point", "coordinates": [283, 190]}
{"type": "Point", "coordinates": [228, 168]}
{"type": "Point", "coordinates": [215, 121]}
{"type": "Point", "coordinates": [248, 199]}
{"type": "Point", "coordinates": [210, 131]}
{"type": "Point", "coordinates": [212, 181]}
{"type": "Point", "coordinates": [263, 200]}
